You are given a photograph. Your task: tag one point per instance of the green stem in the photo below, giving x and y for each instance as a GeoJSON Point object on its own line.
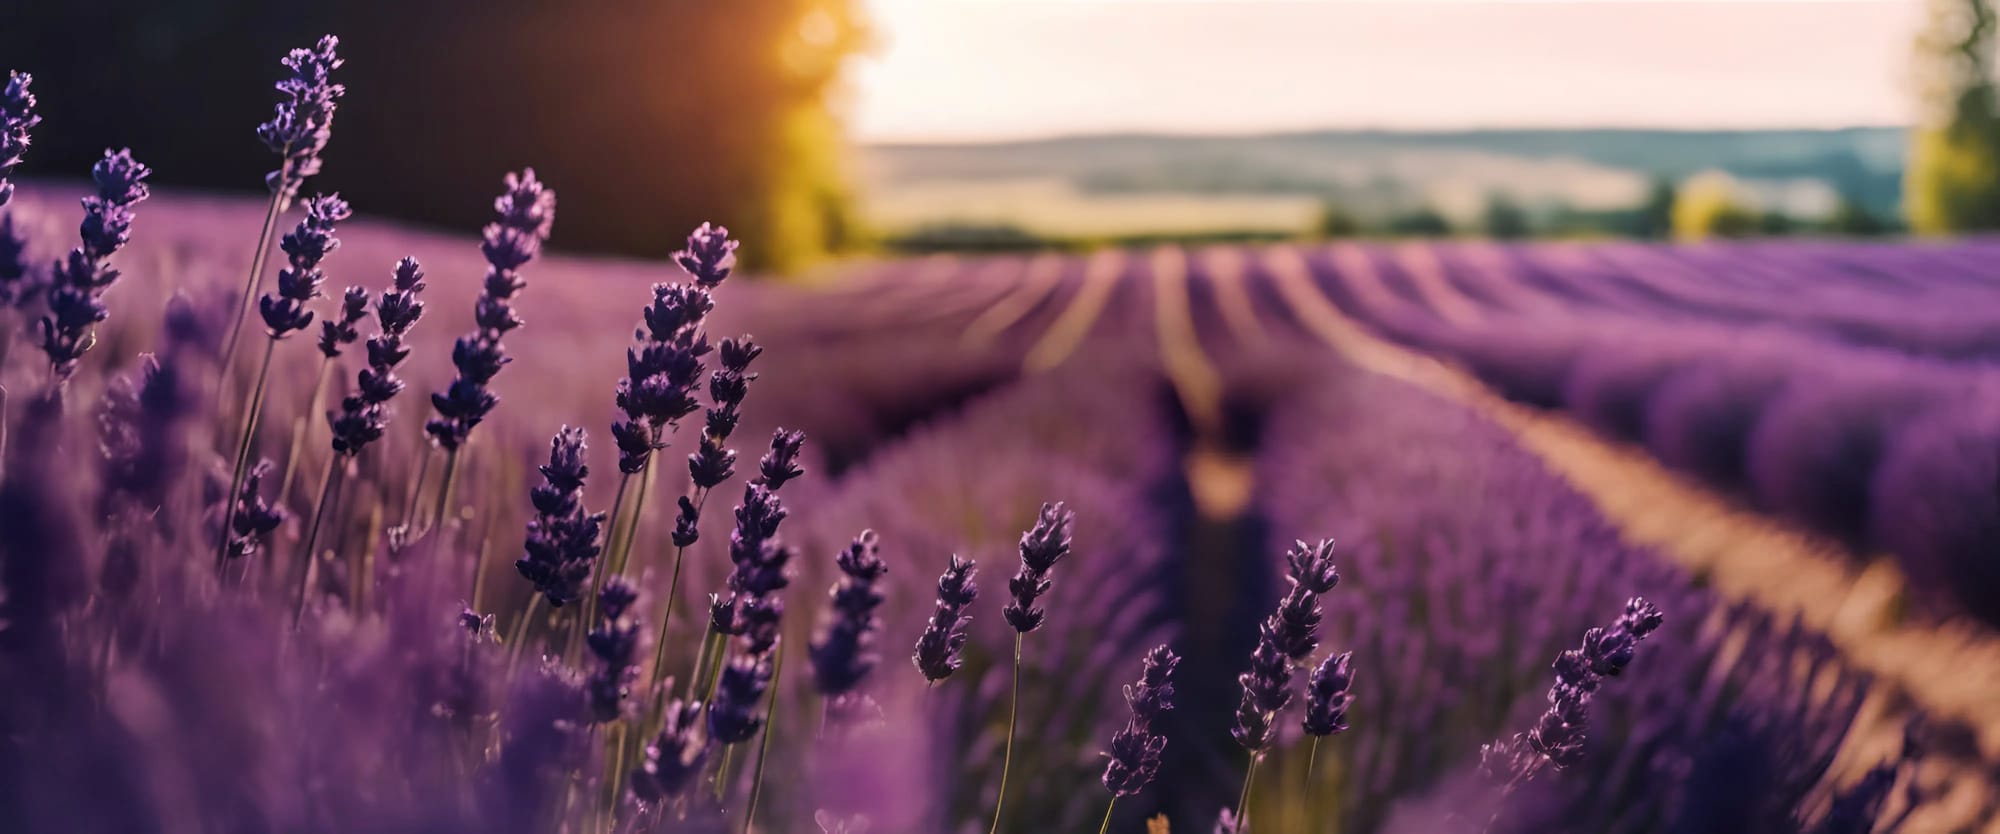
{"type": "Point", "coordinates": [616, 518]}
{"type": "Point", "coordinates": [715, 667]}
{"type": "Point", "coordinates": [443, 503]}
{"type": "Point", "coordinates": [764, 746]}
{"type": "Point", "coordinates": [243, 452]}
{"type": "Point", "coordinates": [1013, 713]}
{"type": "Point", "coordinates": [517, 638]}
{"type": "Point", "coordinates": [1312, 758]}
{"type": "Point", "coordinates": [271, 212]}
{"type": "Point", "coordinates": [1243, 800]}
{"type": "Point", "coordinates": [722, 771]}
{"type": "Point", "coordinates": [673, 593]}
{"type": "Point", "coordinates": [621, 559]}
{"type": "Point", "coordinates": [1106, 825]}
{"type": "Point", "coordinates": [409, 522]}
{"type": "Point", "coordinates": [309, 571]}
{"type": "Point", "coordinates": [302, 426]}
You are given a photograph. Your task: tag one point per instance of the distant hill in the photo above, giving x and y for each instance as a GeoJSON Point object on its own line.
{"type": "Point", "coordinates": [1263, 178]}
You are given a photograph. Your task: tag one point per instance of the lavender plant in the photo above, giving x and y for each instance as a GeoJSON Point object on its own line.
{"type": "Point", "coordinates": [77, 283]}
{"type": "Point", "coordinates": [297, 132]}
{"type": "Point", "coordinates": [1134, 759]}
{"type": "Point", "coordinates": [941, 647]}
{"type": "Point", "coordinates": [1042, 547]}
{"type": "Point", "coordinates": [284, 312]}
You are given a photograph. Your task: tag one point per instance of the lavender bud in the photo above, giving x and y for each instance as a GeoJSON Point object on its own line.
{"type": "Point", "coordinates": [1045, 544]}
{"type": "Point", "coordinates": [709, 255]}
{"type": "Point", "coordinates": [711, 464]}
{"type": "Point", "coordinates": [77, 283]}
{"type": "Point", "coordinates": [17, 118]}
{"type": "Point", "coordinates": [1296, 623]}
{"type": "Point", "coordinates": [614, 643]}
{"type": "Point", "coordinates": [335, 334]}
{"type": "Point", "coordinates": [940, 647]}
{"type": "Point", "coordinates": [1134, 758]}
{"type": "Point", "coordinates": [675, 757]}
{"type": "Point", "coordinates": [255, 518]}
{"type": "Point", "coordinates": [781, 463]}
{"type": "Point", "coordinates": [732, 719]}
{"type": "Point", "coordinates": [1311, 565]}
{"type": "Point", "coordinates": [303, 123]}
{"type": "Point", "coordinates": [562, 545]}
{"type": "Point", "coordinates": [1266, 690]}
{"type": "Point", "coordinates": [1327, 695]}
{"type": "Point", "coordinates": [308, 244]}
{"type": "Point", "coordinates": [843, 653]}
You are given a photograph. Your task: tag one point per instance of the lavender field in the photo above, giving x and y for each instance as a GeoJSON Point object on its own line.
{"type": "Point", "coordinates": [1357, 537]}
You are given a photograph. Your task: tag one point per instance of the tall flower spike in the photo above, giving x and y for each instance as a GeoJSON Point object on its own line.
{"type": "Point", "coordinates": [364, 414]}
{"type": "Point", "coordinates": [1042, 547]}
{"type": "Point", "coordinates": [780, 465]}
{"type": "Point", "coordinates": [732, 718]}
{"type": "Point", "coordinates": [1328, 695]}
{"type": "Point", "coordinates": [299, 282]}
{"type": "Point", "coordinates": [614, 643]}
{"type": "Point", "coordinates": [17, 118]}
{"type": "Point", "coordinates": [78, 282]}
{"type": "Point", "coordinates": [1558, 735]}
{"type": "Point", "coordinates": [525, 212]}
{"type": "Point", "coordinates": [336, 334]}
{"type": "Point", "coordinates": [255, 518]}
{"type": "Point", "coordinates": [940, 648]}
{"type": "Point", "coordinates": [1134, 758]}
{"type": "Point", "coordinates": [562, 544]}
{"type": "Point", "coordinates": [844, 651]}
{"type": "Point", "coordinates": [298, 131]}
{"type": "Point", "coordinates": [1266, 690]}
{"type": "Point", "coordinates": [676, 756]}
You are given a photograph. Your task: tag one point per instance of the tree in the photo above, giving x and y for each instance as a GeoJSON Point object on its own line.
{"type": "Point", "coordinates": [1952, 180]}
{"type": "Point", "coordinates": [1712, 204]}
{"type": "Point", "coordinates": [1423, 222]}
{"type": "Point", "coordinates": [1336, 222]}
{"type": "Point", "coordinates": [1504, 219]}
{"type": "Point", "coordinates": [646, 116]}
{"type": "Point", "coordinates": [1655, 217]}
{"type": "Point", "coordinates": [1852, 219]}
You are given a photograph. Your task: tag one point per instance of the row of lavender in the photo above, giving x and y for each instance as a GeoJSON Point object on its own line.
{"type": "Point", "coordinates": [1881, 448]}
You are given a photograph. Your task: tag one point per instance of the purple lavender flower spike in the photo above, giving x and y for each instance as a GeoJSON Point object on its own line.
{"type": "Point", "coordinates": [525, 213]}
{"type": "Point", "coordinates": [728, 385]}
{"type": "Point", "coordinates": [1296, 623]}
{"type": "Point", "coordinates": [17, 118]}
{"type": "Point", "coordinates": [299, 283]}
{"type": "Point", "coordinates": [255, 518]}
{"type": "Point", "coordinates": [1311, 565]}
{"type": "Point", "coordinates": [364, 415]}
{"type": "Point", "coordinates": [709, 256]}
{"type": "Point", "coordinates": [1042, 547]}
{"type": "Point", "coordinates": [780, 465]}
{"type": "Point", "coordinates": [1558, 735]}
{"type": "Point", "coordinates": [676, 756]}
{"type": "Point", "coordinates": [1328, 695]}
{"type": "Point", "coordinates": [844, 651]}
{"type": "Point", "coordinates": [335, 334]}
{"type": "Point", "coordinates": [78, 282]}
{"type": "Point", "coordinates": [614, 643]}
{"type": "Point", "coordinates": [940, 648]}
{"type": "Point", "coordinates": [1266, 690]}
{"type": "Point", "coordinates": [298, 131]}
{"type": "Point", "coordinates": [732, 718]}
{"type": "Point", "coordinates": [1134, 758]}
{"type": "Point", "coordinates": [563, 539]}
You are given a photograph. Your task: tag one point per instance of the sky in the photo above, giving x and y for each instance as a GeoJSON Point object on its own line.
{"type": "Point", "coordinates": [973, 70]}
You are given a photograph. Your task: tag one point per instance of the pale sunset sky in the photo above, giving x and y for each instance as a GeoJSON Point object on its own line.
{"type": "Point", "coordinates": [961, 70]}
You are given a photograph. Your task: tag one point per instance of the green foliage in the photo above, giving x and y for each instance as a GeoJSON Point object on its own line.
{"type": "Point", "coordinates": [1711, 204]}
{"type": "Point", "coordinates": [646, 117]}
{"type": "Point", "coordinates": [1952, 183]}
{"type": "Point", "coordinates": [1423, 222]}
{"type": "Point", "coordinates": [1505, 219]}
{"type": "Point", "coordinates": [1852, 219]}
{"type": "Point", "coordinates": [1336, 222]}
{"type": "Point", "coordinates": [1655, 218]}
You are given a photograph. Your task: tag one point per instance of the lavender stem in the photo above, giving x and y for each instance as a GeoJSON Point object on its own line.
{"type": "Point", "coordinates": [243, 449]}
{"type": "Point", "coordinates": [1243, 799]}
{"type": "Point", "coordinates": [302, 425]}
{"type": "Point", "coordinates": [1013, 713]}
{"type": "Point", "coordinates": [308, 571]}
{"type": "Point", "coordinates": [272, 210]}
{"type": "Point", "coordinates": [764, 746]}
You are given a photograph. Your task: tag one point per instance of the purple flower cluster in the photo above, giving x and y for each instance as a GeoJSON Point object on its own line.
{"type": "Point", "coordinates": [299, 282]}
{"type": "Point", "coordinates": [1042, 546]}
{"type": "Point", "coordinates": [254, 518]}
{"type": "Point", "coordinates": [843, 653]}
{"type": "Point", "coordinates": [299, 130]}
{"type": "Point", "coordinates": [614, 644]}
{"type": "Point", "coordinates": [663, 370]}
{"type": "Point", "coordinates": [676, 756]}
{"type": "Point", "coordinates": [1557, 737]}
{"type": "Point", "coordinates": [17, 118]}
{"type": "Point", "coordinates": [364, 413]}
{"type": "Point", "coordinates": [1134, 758]}
{"type": "Point", "coordinates": [1328, 695]}
{"type": "Point", "coordinates": [78, 282]}
{"type": "Point", "coordinates": [562, 545]}
{"type": "Point", "coordinates": [941, 648]}
{"type": "Point", "coordinates": [338, 333]}
{"type": "Point", "coordinates": [524, 211]}
{"type": "Point", "coordinates": [713, 462]}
